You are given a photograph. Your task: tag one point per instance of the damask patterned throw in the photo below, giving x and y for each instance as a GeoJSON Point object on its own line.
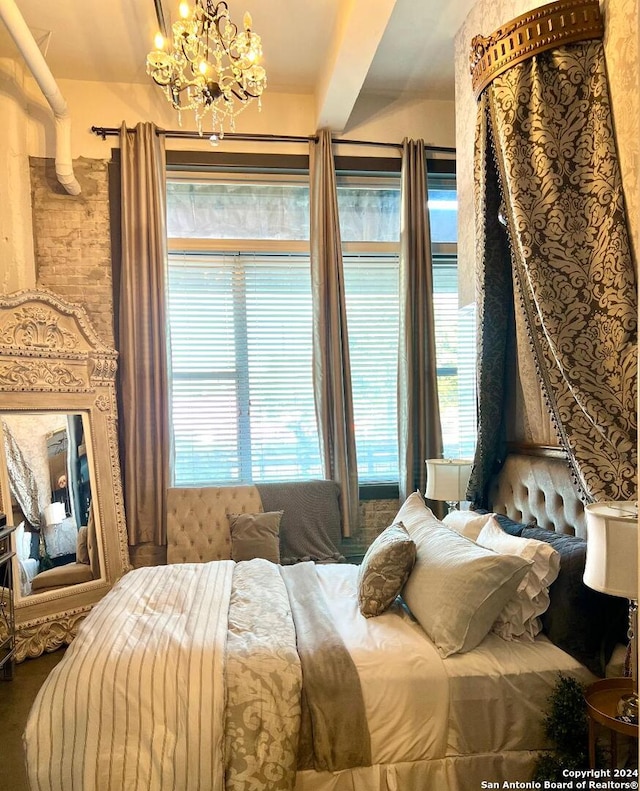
{"type": "Point", "coordinates": [264, 681]}
{"type": "Point", "coordinates": [548, 122]}
{"type": "Point", "coordinates": [280, 632]}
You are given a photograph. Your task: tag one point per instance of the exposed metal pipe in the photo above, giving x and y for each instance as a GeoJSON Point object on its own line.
{"type": "Point", "coordinates": [20, 33]}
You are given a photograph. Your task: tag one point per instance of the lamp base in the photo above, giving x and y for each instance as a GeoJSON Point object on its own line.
{"type": "Point", "coordinates": [453, 505]}
{"type": "Point", "coordinates": [628, 707]}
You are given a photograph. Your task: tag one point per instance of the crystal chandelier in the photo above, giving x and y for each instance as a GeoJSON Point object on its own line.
{"type": "Point", "coordinates": [209, 66]}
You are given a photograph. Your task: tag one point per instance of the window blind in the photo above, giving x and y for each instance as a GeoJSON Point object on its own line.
{"type": "Point", "coordinates": [371, 290]}
{"type": "Point", "coordinates": [242, 394]}
{"type": "Point", "coordinates": [240, 327]}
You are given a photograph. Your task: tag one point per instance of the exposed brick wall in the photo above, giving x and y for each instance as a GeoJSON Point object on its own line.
{"type": "Point", "coordinates": [72, 241]}
{"type": "Point", "coordinates": [375, 515]}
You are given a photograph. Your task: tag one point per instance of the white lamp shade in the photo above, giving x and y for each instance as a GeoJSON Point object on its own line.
{"type": "Point", "coordinates": [54, 513]}
{"type": "Point", "coordinates": [447, 479]}
{"type": "Point", "coordinates": [612, 548]}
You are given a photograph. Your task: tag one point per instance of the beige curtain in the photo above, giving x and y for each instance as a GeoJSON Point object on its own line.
{"type": "Point", "coordinates": [331, 368]}
{"type": "Point", "coordinates": [142, 336]}
{"type": "Point", "coordinates": [419, 431]}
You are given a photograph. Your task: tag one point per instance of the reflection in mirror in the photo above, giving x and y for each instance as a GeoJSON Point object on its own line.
{"type": "Point", "coordinates": [48, 469]}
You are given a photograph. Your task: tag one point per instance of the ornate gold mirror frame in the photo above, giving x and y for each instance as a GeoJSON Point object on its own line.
{"type": "Point", "coordinates": [53, 363]}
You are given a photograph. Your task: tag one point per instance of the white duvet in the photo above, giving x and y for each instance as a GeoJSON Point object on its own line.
{"type": "Point", "coordinates": [138, 702]}
{"type": "Point", "coordinates": [134, 703]}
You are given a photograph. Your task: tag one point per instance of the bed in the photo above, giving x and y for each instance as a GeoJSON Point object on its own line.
{"type": "Point", "coordinates": [191, 675]}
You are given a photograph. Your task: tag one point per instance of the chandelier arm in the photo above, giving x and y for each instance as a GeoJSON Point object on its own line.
{"type": "Point", "coordinates": [246, 93]}
{"type": "Point", "coordinates": [241, 96]}
{"type": "Point", "coordinates": [214, 11]}
{"type": "Point", "coordinates": [229, 39]}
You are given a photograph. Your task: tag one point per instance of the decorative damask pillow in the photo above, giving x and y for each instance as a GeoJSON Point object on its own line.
{"type": "Point", "coordinates": [255, 536]}
{"type": "Point", "coordinates": [384, 570]}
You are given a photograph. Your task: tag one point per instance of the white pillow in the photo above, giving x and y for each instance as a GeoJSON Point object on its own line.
{"type": "Point", "coordinates": [457, 589]}
{"type": "Point", "coordinates": [467, 523]}
{"type": "Point", "coordinates": [23, 542]}
{"type": "Point", "coordinates": [414, 513]}
{"type": "Point", "coordinates": [520, 617]}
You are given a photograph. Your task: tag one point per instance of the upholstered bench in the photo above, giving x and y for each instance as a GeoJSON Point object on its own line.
{"type": "Point", "coordinates": [310, 528]}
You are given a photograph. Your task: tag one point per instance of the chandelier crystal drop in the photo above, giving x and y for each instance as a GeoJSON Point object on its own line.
{"type": "Point", "coordinates": [209, 66]}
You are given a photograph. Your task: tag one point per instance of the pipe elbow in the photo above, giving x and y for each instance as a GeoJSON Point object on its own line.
{"type": "Point", "coordinates": [68, 180]}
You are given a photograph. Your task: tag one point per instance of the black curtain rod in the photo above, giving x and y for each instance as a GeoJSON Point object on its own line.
{"type": "Point", "coordinates": [106, 131]}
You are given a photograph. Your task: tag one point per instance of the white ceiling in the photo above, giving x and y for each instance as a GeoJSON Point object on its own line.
{"type": "Point", "coordinates": [336, 50]}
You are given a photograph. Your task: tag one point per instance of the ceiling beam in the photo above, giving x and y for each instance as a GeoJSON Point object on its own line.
{"type": "Point", "coordinates": [359, 30]}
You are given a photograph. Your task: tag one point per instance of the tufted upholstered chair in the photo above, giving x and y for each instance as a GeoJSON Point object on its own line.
{"type": "Point", "coordinates": [197, 524]}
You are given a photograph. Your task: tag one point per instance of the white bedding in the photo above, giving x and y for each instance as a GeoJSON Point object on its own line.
{"type": "Point", "coordinates": [499, 693]}
{"type": "Point", "coordinates": [138, 701]}
{"type": "Point", "coordinates": [489, 703]}
{"type": "Point", "coordinates": [61, 538]}
{"type": "Point", "coordinates": [113, 714]}
{"type": "Point", "coordinates": [396, 662]}
{"type": "Point", "coordinates": [29, 567]}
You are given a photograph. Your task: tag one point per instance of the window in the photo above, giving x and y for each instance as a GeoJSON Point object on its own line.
{"type": "Point", "coordinates": [242, 396]}
{"type": "Point", "coordinates": [240, 319]}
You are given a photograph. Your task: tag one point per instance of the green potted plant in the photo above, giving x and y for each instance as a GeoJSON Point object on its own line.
{"type": "Point", "coordinates": [567, 728]}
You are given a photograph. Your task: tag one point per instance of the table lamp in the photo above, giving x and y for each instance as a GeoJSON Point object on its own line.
{"type": "Point", "coordinates": [447, 480]}
{"type": "Point", "coordinates": [54, 513]}
{"type": "Point", "coordinates": [612, 567]}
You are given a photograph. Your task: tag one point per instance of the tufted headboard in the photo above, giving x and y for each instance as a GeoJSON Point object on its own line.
{"type": "Point", "coordinates": [535, 485]}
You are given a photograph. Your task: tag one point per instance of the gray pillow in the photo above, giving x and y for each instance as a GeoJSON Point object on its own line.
{"type": "Point", "coordinates": [457, 589]}
{"type": "Point", "coordinates": [385, 569]}
{"type": "Point", "coordinates": [583, 622]}
{"type": "Point", "coordinates": [255, 536]}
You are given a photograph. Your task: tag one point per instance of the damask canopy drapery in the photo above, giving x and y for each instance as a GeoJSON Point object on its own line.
{"type": "Point", "coordinates": [22, 481]}
{"type": "Point", "coordinates": [546, 166]}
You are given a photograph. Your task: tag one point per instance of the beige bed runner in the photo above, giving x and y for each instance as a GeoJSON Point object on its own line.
{"type": "Point", "coordinates": [333, 733]}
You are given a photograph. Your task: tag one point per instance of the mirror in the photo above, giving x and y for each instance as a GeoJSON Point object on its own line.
{"type": "Point", "coordinates": [59, 468]}
{"type": "Point", "coordinates": [49, 476]}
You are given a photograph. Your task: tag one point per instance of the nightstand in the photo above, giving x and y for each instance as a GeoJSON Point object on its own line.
{"type": "Point", "coordinates": [602, 701]}
{"type": "Point", "coordinates": [7, 614]}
